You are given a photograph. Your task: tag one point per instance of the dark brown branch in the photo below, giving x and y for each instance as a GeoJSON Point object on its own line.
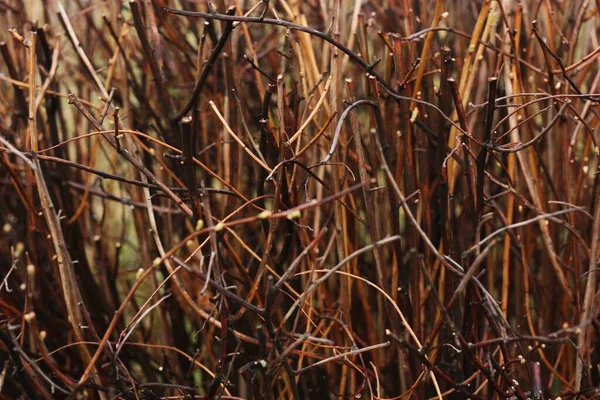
{"type": "Point", "coordinates": [534, 140]}
{"type": "Point", "coordinates": [370, 68]}
{"type": "Point", "coordinates": [207, 68]}
{"type": "Point", "coordinates": [129, 157]}
{"type": "Point", "coordinates": [548, 51]}
{"type": "Point", "coordinates": [487, 133]}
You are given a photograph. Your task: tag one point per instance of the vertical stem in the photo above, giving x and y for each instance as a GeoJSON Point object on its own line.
{"type": "Point", "coordinates": [439, 9]}
{"type": "Point", "coordinates": [589, 308]}
{"type": "Point", "coordinates": [481, 158]}
{"type": "Point", "coordinates": [465, 144]}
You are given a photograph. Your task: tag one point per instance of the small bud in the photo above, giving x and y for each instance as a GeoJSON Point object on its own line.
{"type": "Point", "coordinates": [156, 262]}
{"type": "Point", "coordinates": [199, 225]}
{"type": "Point", "coordinates": [294, 215]}
{"type": "Point", "coordinates": [30, 270]}
{"type": "Point", "coordinates": [414, 115]}
{"type": "Point", "coordinates": [139, 273]}
{"type": "Point", "coordinates": [19, 249]}
{"type": "Point", "coordinates": [43, 335]}
{"type": "Point", "coordinates": [29, 316]}
{"type": "Point", "coordinates": [265, 214]}
{"type": "Point", "coordinates": [219, 227]}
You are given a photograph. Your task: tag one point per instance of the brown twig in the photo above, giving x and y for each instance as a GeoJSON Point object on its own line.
{"type": "Point", "coordinates": [130, 158]}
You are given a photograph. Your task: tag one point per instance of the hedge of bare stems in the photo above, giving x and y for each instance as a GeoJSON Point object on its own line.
{"type": "Point", "coordinates": [299, 199]}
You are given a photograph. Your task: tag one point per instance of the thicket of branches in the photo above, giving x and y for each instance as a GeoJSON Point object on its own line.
{"type": "Point", "coordinates": [299, 199]}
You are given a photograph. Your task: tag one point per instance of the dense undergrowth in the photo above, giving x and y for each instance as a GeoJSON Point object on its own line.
{"type": "Point", "coordinates": [299, 199]}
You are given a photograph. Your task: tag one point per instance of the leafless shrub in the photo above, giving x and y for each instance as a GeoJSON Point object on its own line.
{"type": "Point", "coordinates": [299, 199]}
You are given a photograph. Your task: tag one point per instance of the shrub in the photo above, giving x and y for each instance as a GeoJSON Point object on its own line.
{"type": "Point", "coordinates": [287, 199]}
